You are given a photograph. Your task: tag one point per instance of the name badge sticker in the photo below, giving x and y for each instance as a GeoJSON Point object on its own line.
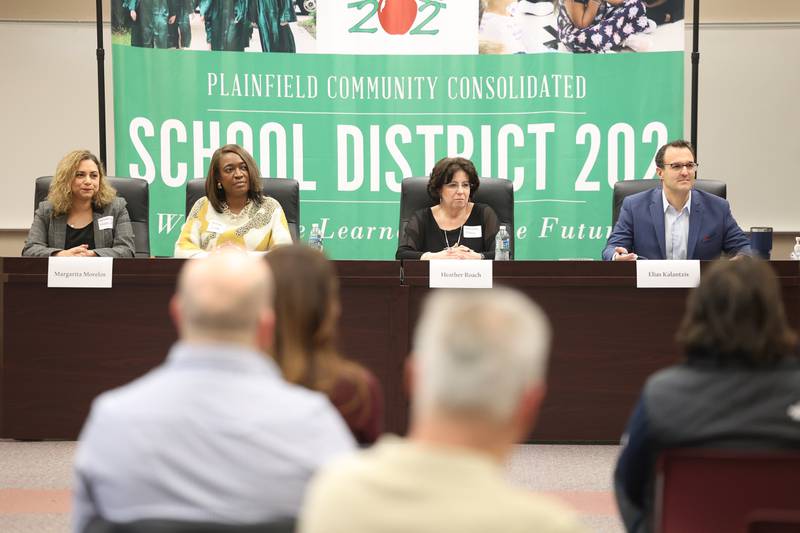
{"type": "Point", "coordinates": [667, 274]}
{"type": "Point", "coordinates": [216, 227]}
{"type": "Point", "coordinates": [472, 232]}
{"type": "Point", "coordinates": [105, 222]}
{"type": "Point", "coordinates": [80, 272]}
{"type": "Point", "coordinates": [460, 274]}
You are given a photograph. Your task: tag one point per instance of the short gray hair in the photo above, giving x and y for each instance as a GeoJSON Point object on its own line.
{"type": "Point", "coordinates": [224, 295]}
{"type": "Point", "coordinates": [477, 351]}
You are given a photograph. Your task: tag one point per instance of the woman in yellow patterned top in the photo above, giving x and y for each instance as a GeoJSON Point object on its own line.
{"type": "Point", "coordinates": [233, 212]}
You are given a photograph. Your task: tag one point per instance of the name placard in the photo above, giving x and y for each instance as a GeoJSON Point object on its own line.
{"type": "Point", "coordinates": [460, 274]}
{"type": "Point", "coordinates": [667, 274]}
{"type": "Point", "coordinates": [80, 272]}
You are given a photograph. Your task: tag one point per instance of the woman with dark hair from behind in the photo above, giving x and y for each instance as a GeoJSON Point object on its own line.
{"type": "Point", "coordinates": [736, 388]}
{"type": "Point", "coordinates": [307, 313]}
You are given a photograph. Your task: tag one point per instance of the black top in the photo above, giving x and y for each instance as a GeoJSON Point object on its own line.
{"type": "Point", "coordinates": [423, 234]}
{"type": "Point", "coordinates": [78, 236]}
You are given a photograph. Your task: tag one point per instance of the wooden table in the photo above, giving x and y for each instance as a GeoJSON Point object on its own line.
{"type": "Point", "coordinates": [62, 347]}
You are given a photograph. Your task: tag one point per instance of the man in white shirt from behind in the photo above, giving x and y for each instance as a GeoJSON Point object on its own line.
{"type": "Point", "coordinates": [214, 434]}
{"type": "Point", "coordinates": [477, 376]}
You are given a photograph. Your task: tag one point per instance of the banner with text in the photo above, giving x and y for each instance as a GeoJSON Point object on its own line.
{"type": "Point", "coordinates": [563, 126]}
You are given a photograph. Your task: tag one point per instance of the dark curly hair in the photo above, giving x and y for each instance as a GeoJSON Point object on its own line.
{"type": "Point", "coordinates": [443, 173]}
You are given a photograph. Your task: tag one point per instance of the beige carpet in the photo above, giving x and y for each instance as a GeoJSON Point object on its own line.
{"type": "Point", "coordinates": [36, 479]}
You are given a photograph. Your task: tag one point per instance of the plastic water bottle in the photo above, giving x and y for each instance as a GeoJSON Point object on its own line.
{"type": "Point", "coordinates": [796, 253]}
{"type": "Point", "coordinates": [315, 239]}
{"type": "Point", "coordinates": [502, 245]}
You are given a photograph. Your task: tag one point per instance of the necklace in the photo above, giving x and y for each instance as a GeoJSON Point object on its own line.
{"type": "Point", "coordinates": [234, 216]}
{"type": "Point", "coordinates": [447, 243]}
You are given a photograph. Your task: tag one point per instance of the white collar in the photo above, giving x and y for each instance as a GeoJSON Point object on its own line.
{"type": "Point", "coordinates": [687, 205]}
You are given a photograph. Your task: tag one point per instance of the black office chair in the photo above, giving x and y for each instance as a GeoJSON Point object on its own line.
{"type": "Point", "coordinates": [99, 525]}
{"type": "Point", "coordinates": [134, 191]}
{"type": "Point", "coordinates": [496, 193]}
{"type": "Point", "coordinates": [285, 191]}
{"type": "Point", "coordinates": [622, 189]}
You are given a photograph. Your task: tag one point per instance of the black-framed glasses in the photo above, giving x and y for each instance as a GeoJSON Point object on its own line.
{"type": "Point", "coordinates": [679, 166]}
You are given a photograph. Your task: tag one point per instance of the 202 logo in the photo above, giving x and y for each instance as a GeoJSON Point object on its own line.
{"type": "Point", "coordinates": [397, 17]}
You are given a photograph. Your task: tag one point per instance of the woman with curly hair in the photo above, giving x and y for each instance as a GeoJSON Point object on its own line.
{"type": "Point", "coordinates": [456, 227]}
{"type": "Point", "coordinates": [82, 216]}
{"type": "Point", "coordinates": [307, 312]}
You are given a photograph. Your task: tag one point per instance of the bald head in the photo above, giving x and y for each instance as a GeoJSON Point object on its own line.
{"type": "Point", "coordinates": [226, 297]}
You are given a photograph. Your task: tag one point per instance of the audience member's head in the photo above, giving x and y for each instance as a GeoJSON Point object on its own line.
{"type": "Point", "coordinates": [736, 316]}
{"type": "Point", "coordinates": [480, 357]}
{"type": "Point", "coordinates": [307, 311]}
{"type": "Point", "coordinates": [226, 297]}
{"type": "Point", "coordinates": [61, 187]}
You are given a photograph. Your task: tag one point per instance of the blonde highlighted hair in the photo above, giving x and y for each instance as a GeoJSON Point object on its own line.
{"type": "Point", "coordinates": [60, 193]}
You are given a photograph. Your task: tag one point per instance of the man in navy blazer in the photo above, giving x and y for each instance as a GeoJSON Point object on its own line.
{"type": "Point", "coordinates": [675, 221]}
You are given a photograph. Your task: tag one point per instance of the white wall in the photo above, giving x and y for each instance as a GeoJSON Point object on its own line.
{"type": "Point", "coordinates": [48, 94]}
{"type": "Point", "coordinates": [749, 118]}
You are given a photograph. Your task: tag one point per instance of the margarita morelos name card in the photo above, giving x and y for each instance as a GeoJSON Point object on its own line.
{"type": "Point", "coordinates": [80, 272]}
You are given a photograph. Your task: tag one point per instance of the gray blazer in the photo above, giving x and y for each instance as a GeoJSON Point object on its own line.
{"type": "Point", "coordinates": [48, 233]}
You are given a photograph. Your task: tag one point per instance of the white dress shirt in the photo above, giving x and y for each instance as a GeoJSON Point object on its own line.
{"type": "Point", "coordinates": [676, 228]}
{"type": "Point", "coordinates": [214, 434]}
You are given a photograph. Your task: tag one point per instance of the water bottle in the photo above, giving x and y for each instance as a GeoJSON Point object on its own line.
{"type": "Point", "coordinates": [796, 253]}
{"type": "Point", "coordinates": [315, 239]}
{"type": "Point", "coordinates": [502, 245]}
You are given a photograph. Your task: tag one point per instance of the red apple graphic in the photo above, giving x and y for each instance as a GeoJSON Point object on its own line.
{"type": "Point", "coordinates": [397, 16]}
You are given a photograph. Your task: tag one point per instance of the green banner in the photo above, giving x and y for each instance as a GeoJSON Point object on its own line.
{"type": "Point", "coordinates": [564, 127]}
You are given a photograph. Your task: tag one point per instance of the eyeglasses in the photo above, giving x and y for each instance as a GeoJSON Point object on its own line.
{"type": "Point", "coordinates": [455, 186]}
{"type": "Point", "coordinates": [678, 166]}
